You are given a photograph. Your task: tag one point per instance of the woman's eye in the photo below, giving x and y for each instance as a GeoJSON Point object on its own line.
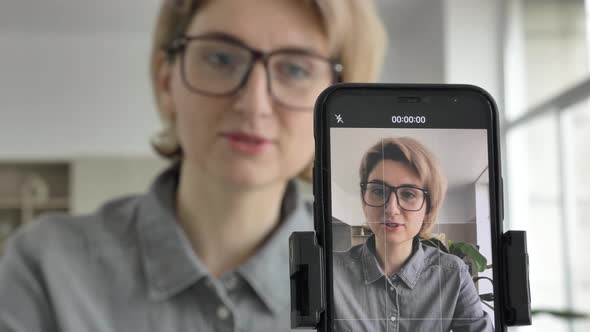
{"type": "Point", "coordinates": [220, 59]}
{"type": "Point", "coordinates": [378, 192]}
{"type": "Point", "coordinates": [295, 71]}
{"type": "Point", "coordinates": [408, 195]}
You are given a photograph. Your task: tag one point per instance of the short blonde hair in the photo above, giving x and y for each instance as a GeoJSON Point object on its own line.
{"type": "Point", "coordinates": [355, 32]}
{"type": "Point", "coordinates": [416, 156]}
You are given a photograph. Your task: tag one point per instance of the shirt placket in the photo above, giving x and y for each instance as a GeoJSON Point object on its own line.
{"type": "Point", "coordinates": [393, 307]}
{"type": "Point", "coordinates": [221, 309]}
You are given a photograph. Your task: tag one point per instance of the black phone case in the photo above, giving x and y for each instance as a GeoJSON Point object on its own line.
{"type": "Point", "coordinates": [310, 258]}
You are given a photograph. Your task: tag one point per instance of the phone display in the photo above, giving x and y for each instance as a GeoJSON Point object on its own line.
{"type": "Point", "coordinates": [408, 186]}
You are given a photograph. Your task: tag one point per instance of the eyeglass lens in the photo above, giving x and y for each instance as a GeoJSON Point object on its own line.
{"type": "Point", "coordinates": [219, 68]}
{"type": "Point", "coordinates": [408, 198]}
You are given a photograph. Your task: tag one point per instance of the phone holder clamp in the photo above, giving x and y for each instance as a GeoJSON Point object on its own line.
{"type": "Point", "coordinates": [307, 264]}
{"type": "Point", "coordinates": [306, 269]}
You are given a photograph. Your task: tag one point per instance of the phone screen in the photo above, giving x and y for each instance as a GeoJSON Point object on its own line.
{"type": "Point", "coordinates": [412, 180]}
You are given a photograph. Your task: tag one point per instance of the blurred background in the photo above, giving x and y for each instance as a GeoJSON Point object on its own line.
{"type": "Point", "coordinates": [76, 114]}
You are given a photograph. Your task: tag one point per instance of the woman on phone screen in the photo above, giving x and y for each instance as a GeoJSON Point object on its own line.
{"type": "Point", "coordinates": [393, 282]}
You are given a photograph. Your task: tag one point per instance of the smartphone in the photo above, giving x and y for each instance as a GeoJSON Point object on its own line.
{"type": "Point", "coordinates": [408, 208]}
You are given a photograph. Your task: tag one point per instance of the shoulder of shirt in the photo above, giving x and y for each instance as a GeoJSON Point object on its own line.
{"type": "Point", "coordinates": [352, 254]}
{"type": "Point", "coordinates": [110, 223]}
{"type": "Point", "coordinates": [433, 256]}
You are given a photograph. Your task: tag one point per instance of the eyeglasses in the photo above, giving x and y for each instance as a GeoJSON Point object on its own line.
{"type": "Point", "coordinates": [219, 65]}
{"type": "Point", "coordinates": [409, 198]}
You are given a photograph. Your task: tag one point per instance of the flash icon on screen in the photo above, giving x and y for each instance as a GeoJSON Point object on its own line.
{"type": "Point", "coordinates": [339, 118]}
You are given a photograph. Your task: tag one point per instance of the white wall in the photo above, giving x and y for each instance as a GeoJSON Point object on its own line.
{"type": "Point", "coordinates": [446, 41]}
{"type": "Point", "coordinates": [65, 94]}
{"type": "Point", "coordinates": [416, 49]}
{"type": "Point", "coordinates": [473, 44]}
{"type": "Point", "coordinates": [75, 78]}
{"type": "Point", "coordinates": [459, 205]}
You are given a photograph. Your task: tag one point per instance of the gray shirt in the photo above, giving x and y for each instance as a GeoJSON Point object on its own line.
{"type": "Point", "coordinates": [432, 292]}
{"type": "Point", "coordinates": [129, 267]}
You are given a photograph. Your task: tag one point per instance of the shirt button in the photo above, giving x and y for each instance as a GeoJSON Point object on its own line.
{"type": "Point", "coordinates": [392, 318]}
{"type": "Point", "coordinates": [231, 283]}
{"type": "Point", "coordinates": [222, 313]}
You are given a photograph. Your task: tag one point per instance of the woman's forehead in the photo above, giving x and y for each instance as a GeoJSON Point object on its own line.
{"type": "Point", "coordinates": [263, 24]}
{"type": "Point", "coordinates": [395, 173]}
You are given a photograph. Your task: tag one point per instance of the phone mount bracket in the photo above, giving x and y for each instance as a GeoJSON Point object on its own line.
{"type": "Point", "coordinates": [515, 274]}
{"type": "Point", "coordinates": [306, 268]}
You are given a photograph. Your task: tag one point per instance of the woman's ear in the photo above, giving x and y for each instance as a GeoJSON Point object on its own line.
{"type": "Point", "coordinates": [165, 141]}
{"type": "Point", "coordinates": [162, 78]}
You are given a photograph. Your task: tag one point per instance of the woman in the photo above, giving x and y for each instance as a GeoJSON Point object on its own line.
{"type": "Point", "coordinates": [206, 248]}
{"type": "Point", "coordinates": [392, 282]}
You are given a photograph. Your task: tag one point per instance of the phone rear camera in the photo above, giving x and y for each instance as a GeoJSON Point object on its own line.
{"type": "Point", "coordinates": [455, 99]}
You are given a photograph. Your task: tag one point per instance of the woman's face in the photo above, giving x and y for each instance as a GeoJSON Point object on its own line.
{"type": "Point", "coordinates": [247, 139]}
{"type": "Point", "coordinates": [381, 219]}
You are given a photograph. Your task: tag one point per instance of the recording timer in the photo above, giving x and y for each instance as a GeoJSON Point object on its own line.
{"type": "Point", "coordinates": [419, 119]}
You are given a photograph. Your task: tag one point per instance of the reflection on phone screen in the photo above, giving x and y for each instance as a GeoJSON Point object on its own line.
{"type": "Point", "coordinates": [411, 230]}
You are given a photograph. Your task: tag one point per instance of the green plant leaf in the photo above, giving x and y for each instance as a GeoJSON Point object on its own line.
{"type": "Point", "coordinates": [463, 249]}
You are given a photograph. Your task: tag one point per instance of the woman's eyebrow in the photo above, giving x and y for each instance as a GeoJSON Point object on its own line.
{"type": "Point", "coordinates": [409, 185]}
{"type": "Point", "coordinates": [297, 49]}
{"type": "Point", "coordinates": [237, 40]}
{"type": "Point", "coordinates": [401, 185]}
{"type": "Point", "coordinates": [220, 35]}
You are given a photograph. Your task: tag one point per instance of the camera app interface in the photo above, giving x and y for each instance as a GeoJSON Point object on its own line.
{"type": "Point", "coordinates": [411, 228]}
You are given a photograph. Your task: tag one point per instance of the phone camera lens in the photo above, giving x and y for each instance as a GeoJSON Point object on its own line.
{"type": "Point", "coordinates": [455, 99]}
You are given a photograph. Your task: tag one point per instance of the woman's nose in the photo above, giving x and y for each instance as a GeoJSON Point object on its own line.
{"type": "Point", "coordinates": [391, 206]}
{"type": "Point", "coordinates": [255, 97]}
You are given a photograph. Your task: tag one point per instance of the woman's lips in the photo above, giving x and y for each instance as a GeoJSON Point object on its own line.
{"type": "Point", "coordinates": [247, 143]}
{"type": "Point", "coordinates": [392, 226]}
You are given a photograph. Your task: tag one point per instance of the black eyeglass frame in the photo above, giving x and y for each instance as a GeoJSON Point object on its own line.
{"type": "Point", "coordinates": [179, 45]}
{"type": "Point", "coordinates": [394, 190]}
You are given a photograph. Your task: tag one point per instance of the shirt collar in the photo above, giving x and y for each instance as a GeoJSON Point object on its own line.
{"type": "Point", "coordinates": [371, 269]}
{"type": "Point", "coordinates": [168, 259]}
{"type": "Point", "coordinates": [171, 265]}
{"type": "Point", "coordinates": [267, 272]}
{"type": "Point", "coordinates": [409, 273]}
